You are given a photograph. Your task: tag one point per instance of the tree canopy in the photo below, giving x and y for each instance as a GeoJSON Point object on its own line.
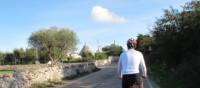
{"type": "Point", "coordinates": [144, 42]}
{"type": "Point", "coordinates": [177, 42]}
{"type": "Point", "coordinates": [54, 42]}
{"type": "Point", "coordinates": [112, 50]}
{"type": "Point", "coordinates": [86, 53]}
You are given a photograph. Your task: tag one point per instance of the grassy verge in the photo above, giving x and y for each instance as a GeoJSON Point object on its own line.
{"type": "Point", "coordinates": [3, 72]}
{"type": "Point", "coordinates": [164, 78]}
{"type": "Point", "coordinates": [48, 84]}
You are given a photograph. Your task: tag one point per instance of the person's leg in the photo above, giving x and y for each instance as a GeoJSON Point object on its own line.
{"type": "Point", "coordinates": [124, 81]}
{"type": "Point", "coordinates": [139, 81]}
{"type": "Point", "coordinates": [141, 84]}
{"type": "Point", "coordinates": [132, 79]}
{"type": "Point", "coordinates": [134, 86]}
{"type": "Point", "coordinates": [128, 81]}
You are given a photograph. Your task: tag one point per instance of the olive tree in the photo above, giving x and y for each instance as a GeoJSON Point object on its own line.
{"type": "Point", "coordinates": [54, 42]}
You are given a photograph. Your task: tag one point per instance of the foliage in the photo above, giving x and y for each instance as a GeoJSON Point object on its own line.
{"type": "Point", "coordinates": [166, 79]}
{"type": "Point", "coordinates": [2, 56]}
{"type": "Point", "coordinates": [25, 56]}
{"type": "Point", "coordinates": [177, 33]}
{"type": "Point", "coordinates": [100, 55]}
{"type": "Point", "coordinates": [87, 56]}
{"type": "Point", "coordinates": [19, 55]}
{"type": "Point", "coordinates": [144, 42]}
{"type": "Point", "coordinates": [3, 72]}
{"type": "Point", "coordinates": [113, 50]}
{"type": "Point", "coordinates": [177, 43]}
{"type": "Point", "coordinates": [9, 58]}
{"type": "Point", "coordinates": [49, 83]}
{"type": "Point", "coordinates": [54, 42]}
{"type": "Point", "coordinates": [30, 55]}
{"type": "Point", "coordinates": [42, 56]}
{"type": "Point", "coordinates": [86, 53]}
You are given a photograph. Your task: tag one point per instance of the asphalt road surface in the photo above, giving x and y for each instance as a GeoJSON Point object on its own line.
{"type": "Point", "coordinates": [105, 78]}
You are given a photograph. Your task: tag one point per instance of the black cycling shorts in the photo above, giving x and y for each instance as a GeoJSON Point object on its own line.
{"type": "Point", "coordinates": [129, 80]}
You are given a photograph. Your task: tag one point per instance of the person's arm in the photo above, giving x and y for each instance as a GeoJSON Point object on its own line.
{"type": "Point", "coordinates": [119, 71]}
{"type": "Point", "coordinates": [143, 67]}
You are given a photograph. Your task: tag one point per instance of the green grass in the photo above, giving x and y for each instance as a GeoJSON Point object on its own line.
{"type": "Point", "coordinates": [49, 83]}
{"type": "Point", "coordinates": [164, 78]}
{"type": "Point", "coordinates": [3, 72]}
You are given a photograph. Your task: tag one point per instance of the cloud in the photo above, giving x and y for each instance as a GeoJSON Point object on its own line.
{"type": "Point", "coordinates": [103, 15]}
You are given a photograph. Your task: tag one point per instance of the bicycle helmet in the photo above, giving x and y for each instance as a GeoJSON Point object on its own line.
{"type": "Point", "coordinates": [131, 43]}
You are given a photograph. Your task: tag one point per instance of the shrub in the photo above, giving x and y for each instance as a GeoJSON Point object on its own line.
{"type": "Point", "coordinates": [100, 55]}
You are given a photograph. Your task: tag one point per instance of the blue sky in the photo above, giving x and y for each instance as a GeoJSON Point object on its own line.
{"type": "Point", "coordinates": [96, 22]}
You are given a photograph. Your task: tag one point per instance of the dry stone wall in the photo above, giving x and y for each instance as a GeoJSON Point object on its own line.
{"type": "Point", "coordinates": [23, 78]}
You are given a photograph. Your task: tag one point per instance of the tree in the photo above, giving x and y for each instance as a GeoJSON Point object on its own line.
{"type": "Point", "coordinates": [100, 55]}
{"type": "Point", "coordinates": [112, 50]}
{"type": "Point", "coordinates": [86, 53]}
{"type": "Point", "coordinates": [30, 55]}
{"type": "Point", "coordinates": [2, 57]}
{"type": "Point", "coordinates": [177, 42]}
{"type": "Point", "coordinates": [9, 59]}
{"type": "Point", "coordinates": [19, 55]}
{"type": "Point", "coordinates": [144, 42]}
{"type": "Point", "coordinates": [54, 42]}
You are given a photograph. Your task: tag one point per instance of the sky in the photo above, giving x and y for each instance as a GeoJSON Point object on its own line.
{"type": "Point", "coordinates": [96, 22]}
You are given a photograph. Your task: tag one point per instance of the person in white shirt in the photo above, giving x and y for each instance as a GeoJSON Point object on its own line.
{"type": "Point", "coordinates": [131, 66]}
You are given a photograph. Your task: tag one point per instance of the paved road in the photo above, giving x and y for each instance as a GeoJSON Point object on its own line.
{"type": "Point", "coordinates": [105, 78]}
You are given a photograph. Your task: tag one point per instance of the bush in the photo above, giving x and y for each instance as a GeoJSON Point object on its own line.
{"type": "Point", "coordinates": [189, 72]}
{"type": "Point", "coordinates": [100, 55]}
{"type": "Point", "coordinates": [112, 50]}
{"type": "Point", "coordinates": [86, 53]}
{"type": "Point", "coordinates": [177, 43]}
{"type": "Point", "coordinates": [165, 78]}
{"type": "Point", "coordinates": [87, 56]}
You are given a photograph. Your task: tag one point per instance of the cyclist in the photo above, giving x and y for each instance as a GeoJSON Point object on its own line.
{"type": "Point", "coordinates": [131, 66]}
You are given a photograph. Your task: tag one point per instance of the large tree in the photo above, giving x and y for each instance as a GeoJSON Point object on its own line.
{"type": "Point", "coordinates": [54, 42]}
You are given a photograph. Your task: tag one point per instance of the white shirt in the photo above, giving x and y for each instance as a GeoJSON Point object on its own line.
{"type": "Point", "coordinates": [131, 62]}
